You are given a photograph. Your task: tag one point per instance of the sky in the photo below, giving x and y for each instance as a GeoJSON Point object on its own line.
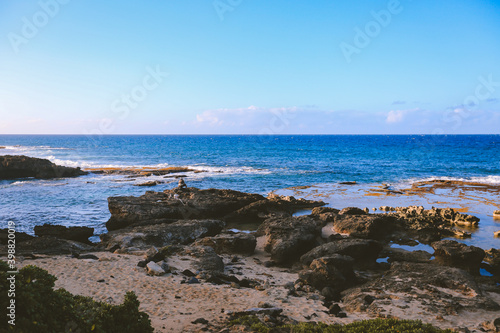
{"type": "Point", "coordinates": [250, 67]}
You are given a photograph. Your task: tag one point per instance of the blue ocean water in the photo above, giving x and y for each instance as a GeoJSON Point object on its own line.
{"type": "Point", "coordinates": [247, 163]}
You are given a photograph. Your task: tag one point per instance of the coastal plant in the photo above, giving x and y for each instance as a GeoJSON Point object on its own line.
{"type": "Point", "coordinates": [254, 324]}
{"type": "Point", "coordinates": [40, 308]}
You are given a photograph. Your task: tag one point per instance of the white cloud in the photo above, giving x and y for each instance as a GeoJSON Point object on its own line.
{"type": "Point", "coordinates": [395, 116]}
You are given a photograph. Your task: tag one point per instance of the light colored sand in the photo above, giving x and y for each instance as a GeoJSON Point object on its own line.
{"type": "Point", "coordinates": [157, 294]}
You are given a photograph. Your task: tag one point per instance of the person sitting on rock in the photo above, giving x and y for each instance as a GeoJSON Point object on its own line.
{"type": "Point", "coordinates": [182, 184]}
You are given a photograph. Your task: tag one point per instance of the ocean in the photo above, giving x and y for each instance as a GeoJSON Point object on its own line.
{"type": "Point", "coordinates": [311, 166]}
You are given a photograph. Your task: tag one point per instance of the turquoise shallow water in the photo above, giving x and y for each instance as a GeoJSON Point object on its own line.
{"type": "Point", "coordinates": [247, 163]}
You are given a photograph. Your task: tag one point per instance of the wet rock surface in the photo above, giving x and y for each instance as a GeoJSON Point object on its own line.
{"type": "Point", "coordinates": [20, 166]}
{"type": "Point", "coordinates": [455, 254]}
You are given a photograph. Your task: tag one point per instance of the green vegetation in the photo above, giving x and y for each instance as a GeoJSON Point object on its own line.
{"type": "Point", "coordinates": [365, 326]}
{"type": "Point", "coordinates": [40, 308]}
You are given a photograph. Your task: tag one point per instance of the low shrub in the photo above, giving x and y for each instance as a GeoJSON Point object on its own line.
{"type": "Point", "coordinates": [40, 308]}
{"type": "Point", "coordinates": [366, 326]}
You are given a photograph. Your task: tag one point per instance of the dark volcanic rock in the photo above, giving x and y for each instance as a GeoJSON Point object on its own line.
{"type": "Point", "coordinates": [272, 206]}
{"type": "Point", "coordinates": [192, 203]}
{"type": "Point", "coordinates": [160, 235]}
{"type": "Point", "coordinates": [433, 289]}
{"type": "Point", "coordinates": [363, 250]}
{"type": "Point", "coordinates": [414, 221]}
{"type": "Point", "coordinates": [396, 254]}
{"type": "Point", "coordinates": [234, 243]}
{"type": "Point", "coordinates": [324, 210]}
{"type": "Point", "coordinates": [455, 254]}
{"type": "Point", "coordinates": [19, 236]}
{"type": "Point", "coordinates": [208, 263]}
{"type": "Point", "coordinates": [493, 259]}
{"type": "Point", "coordinates": [150, 183]}
{"type": "Point", "coordinates": [51, 245]}
{"type": "Point", "coordinates": [79, 234]}
{"type": "Point", "coordinates": [176, 204]}
{"type": "Point", "coordinates": [289, 238]}
{"type": "Point", "coordinates": [376, 226]}
{"type": "Point", "coordinates": [433, 224]}
{"type": "Point", "coordinates": [334, 271]}
{"type": "Point", "coordinates": [352, 211]}
{"type": "Point", "coordinates": [19, 166]}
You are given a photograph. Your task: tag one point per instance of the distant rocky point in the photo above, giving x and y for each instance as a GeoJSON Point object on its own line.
{"type": "Point", "coordinates": [20, 166]}
{"type": "Point", "coordinates": [142, 171]}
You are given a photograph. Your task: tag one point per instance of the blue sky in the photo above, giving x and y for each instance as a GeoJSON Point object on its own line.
{"type": "Point", "coordinates": [249, 67]}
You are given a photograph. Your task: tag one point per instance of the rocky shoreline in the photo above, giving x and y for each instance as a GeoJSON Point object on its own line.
{"type": "Point", "coordinates": [345, 261]}
{"type": "Point", "coordinates": [20, 166]}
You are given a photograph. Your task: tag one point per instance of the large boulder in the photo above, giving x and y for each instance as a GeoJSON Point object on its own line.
{"type": "Point", "coordinates": [230, 243]}
{"type": "Point", "coordinates": [192, 203]}
{"type": "Point", "coordinates": [141, 238]}
{"type": "Point", "coordinates": [176, 204]}
{"type": "Point", "coordinates": [79, 234]}
{"type": "Point", "coordinates": [455, 254]}
{"type": "Point", "coordinates": [207, 263]}
{"type": "Point", "coordinates": [20, 166]}
{"type": "Point", "coordinates": [288, 238]}
{"type": "Point", "coordinates": [375, 226]}
{"type": "Point", "coordinates": [361, 250]}
{"type": "Point", "coordinates": [334, 271]}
